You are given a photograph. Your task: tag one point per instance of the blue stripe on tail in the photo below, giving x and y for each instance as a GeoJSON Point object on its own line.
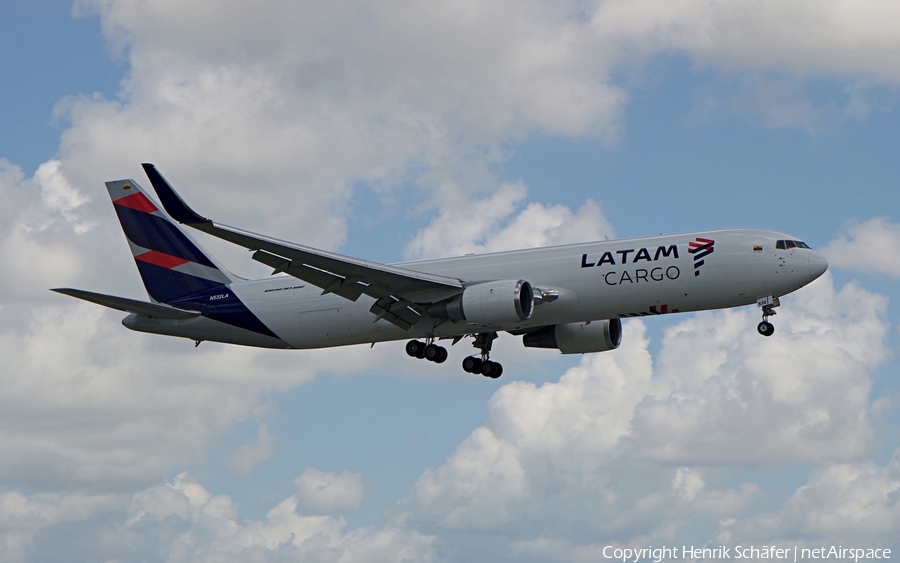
{"type": "Point", "coordinates": [154, 232]}
{"type": "Point", "coordinates": [168, 286]}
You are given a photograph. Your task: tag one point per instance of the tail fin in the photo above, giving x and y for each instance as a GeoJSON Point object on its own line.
{"type": "Point", "coordinates": [172, 265]}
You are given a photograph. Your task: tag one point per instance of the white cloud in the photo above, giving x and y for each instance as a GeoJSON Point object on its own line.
{"type": "Point", "coordinates": [302, 102]}
{"type": "Point", "coordinates": [768, 52]}
{"type": "Point", "coordinates": [13, 193]}
{"type": "Point", "coordinates": [631, 451]}
{"type": "Point", "coordinates": [183, 521]}
{"type": "Point", "coordinates": [22, 517]}
{"type": "Point", "coordinates": [872, 247]}
{"type": "Point", "coordinates": [58, 194]}
{"type": "Point", "coordinates": [86, 402]}
{"type": "Point", "coordinates": [850, 503]}
{"type": "Point", "coordinates": [807, 37]}
{"type": "Point", "coordinates": [247, 456]}
{"type": "Point", "coordinates": [775, 102]}
{"type": "Point", "coordinates": [802, 396]}
{"type": "Point", "coordinates": [494, 224]}
{"type": "Point", "coordinates": [326, 493]}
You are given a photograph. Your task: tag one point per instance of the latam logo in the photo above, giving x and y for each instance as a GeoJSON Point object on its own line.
{"type": "Point", "coordinates": [701, 248]}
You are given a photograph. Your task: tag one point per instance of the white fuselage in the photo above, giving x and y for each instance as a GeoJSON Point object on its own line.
{"type": "Point", "coordinates": [593, 281]}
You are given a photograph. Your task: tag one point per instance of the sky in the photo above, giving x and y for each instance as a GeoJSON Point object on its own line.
{"type": "Point", "coordinates": [401, 130]}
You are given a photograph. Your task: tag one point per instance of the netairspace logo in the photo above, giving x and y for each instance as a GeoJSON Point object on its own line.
{"type": "Point", "coordinates": [658, 554]}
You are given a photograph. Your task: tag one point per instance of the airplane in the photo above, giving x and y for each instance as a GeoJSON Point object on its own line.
{"type": "Point", "coordinates": [571, 297]}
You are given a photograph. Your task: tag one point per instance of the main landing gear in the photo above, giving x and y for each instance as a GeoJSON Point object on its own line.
{"type": "Point", "coordinates": [472, 364]}
{"type": "Point", "coordinates": [483, 365]}
{"type": "Point", "coordinates": [768, 305]}
{"type": "Point", "coordinates": [430, 351]}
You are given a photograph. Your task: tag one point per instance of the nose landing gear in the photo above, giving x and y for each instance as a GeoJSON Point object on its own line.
{"type": "Point", "coordinates": [768, 305]}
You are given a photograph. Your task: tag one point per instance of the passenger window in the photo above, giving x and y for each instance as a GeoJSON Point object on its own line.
{"type": "Point", "coordinates": [789, 244]}
{"type": "Point", "coordinates": [779, 245]}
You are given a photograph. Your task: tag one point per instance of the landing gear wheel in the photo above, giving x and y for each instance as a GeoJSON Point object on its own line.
{"type": "Point", "coordinates": [768, 305]}
{"type": "Point", "coordinates": [413, 347]}
{"type": "Point", "coordinates": [432, 352]}
{"type": "Point", "coordinates": [491, 369]}
{"type": "Point", "coordinates": [442, 357]}
{"type": "Point", "coordinates": [765, 328]}
{"type": "Point", "coordinates": [471, 364]}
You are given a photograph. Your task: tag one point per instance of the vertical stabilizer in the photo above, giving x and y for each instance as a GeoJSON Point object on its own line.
{"type": "Point", "coordinates": [172, 265]}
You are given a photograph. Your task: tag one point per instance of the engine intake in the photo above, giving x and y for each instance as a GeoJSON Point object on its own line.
{"type": "Point", "coordinates": [577, 338]}
{"type": "Point", "coordinates": [490, 303]}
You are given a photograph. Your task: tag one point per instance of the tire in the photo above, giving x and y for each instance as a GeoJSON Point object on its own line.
{"type": "Point", "coordinates": [765, 328]}
{"type": "Point", "coordinates": [432, 352]}
{"type": "Point", "coordinates": [489, 368]}
{"type": "Point", "coordinates": [498, 371]}
{"type": "Point", "coordinates": [471, 364]}
{"type": "Point", "coordinates": [442, 357]}
{"type": "Point", "coordinates": [412, 348]}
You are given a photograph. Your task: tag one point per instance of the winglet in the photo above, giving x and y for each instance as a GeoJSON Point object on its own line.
{"type": "Point", "coordinates": [175, 206]}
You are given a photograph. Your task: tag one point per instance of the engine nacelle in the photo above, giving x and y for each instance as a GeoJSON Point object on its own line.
{"type": "Point", "coordinates": [577, 338]}
{"type": "Point", "coordinates": [491, 303]}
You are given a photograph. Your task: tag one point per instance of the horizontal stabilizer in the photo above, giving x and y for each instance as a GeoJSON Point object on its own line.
{"type": "Point", "coordinates": [129, 305]}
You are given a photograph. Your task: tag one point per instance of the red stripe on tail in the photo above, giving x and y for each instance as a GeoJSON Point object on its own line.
{"type": "Point", "coordinates": [160, 259]}
{"type": "Point", "coordinates": [138, 202]}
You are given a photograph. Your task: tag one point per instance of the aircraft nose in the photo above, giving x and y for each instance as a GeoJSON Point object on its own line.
{"type": "Point", "coordinates": [817, 264]}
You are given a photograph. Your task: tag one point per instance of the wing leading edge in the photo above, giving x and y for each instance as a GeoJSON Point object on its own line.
{"type": "Point", "coordinates": [393, 288]}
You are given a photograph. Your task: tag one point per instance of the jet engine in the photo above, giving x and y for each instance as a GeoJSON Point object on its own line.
{"type": "Point", "coordinates": [577, 338]}
{"type": "Point", "coordinates": [490, 303]}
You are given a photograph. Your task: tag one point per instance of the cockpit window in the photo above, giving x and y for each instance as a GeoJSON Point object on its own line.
{"type": "Point", "coordinates": [785, 244]}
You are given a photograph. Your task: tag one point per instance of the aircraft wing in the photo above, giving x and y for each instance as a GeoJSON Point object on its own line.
{"type": "Point", "coordinates": [334, 273]}
{"type": "Point", "coordinates": [129, 305]}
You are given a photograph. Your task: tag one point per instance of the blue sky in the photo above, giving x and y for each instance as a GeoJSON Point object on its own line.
{"type": "Point", "coordinates": [376, 129]}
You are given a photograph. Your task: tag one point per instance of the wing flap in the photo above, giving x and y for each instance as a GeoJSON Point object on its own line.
{"type": "Point", "coordinates": [129, 305]}
{"type": "Point", "coordinates": [400, 312]}
{"type": "Point", "coordinates": [348, 288]}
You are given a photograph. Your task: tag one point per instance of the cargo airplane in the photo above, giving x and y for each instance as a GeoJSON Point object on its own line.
{"type": "Point", "coordinates": [571, 298]}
